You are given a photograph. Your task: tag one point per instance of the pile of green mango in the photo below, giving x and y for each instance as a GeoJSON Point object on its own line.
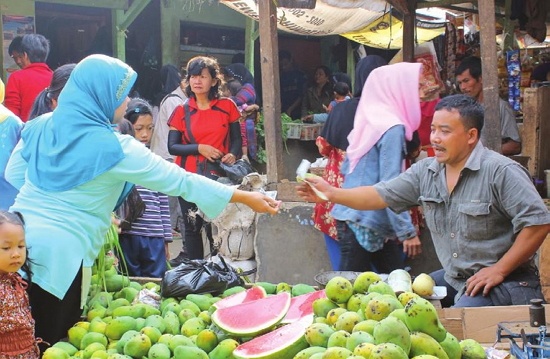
{"type": "Point", "coordinates": [360, 320]}
{"type": "Point", "coordinates": [116, 326]}
{"type": "Point", "coordinates": [367, 320]}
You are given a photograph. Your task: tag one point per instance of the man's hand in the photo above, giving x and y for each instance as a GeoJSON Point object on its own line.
{"type": "Point", "coordinates": [306, 191]}
{"type": "Point", "coordinates": [412, 247]}
{"type": "Point", "coordinates": [483, 281]}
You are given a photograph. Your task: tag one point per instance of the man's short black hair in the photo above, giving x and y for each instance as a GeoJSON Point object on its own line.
{"type": "Point", "coordinates": [471, 63]}
{"type": "Point", "coordinates": [36, 46]}
{"type": "Point", "coordinates": [15, 45]}
{"type": "Point", "coordinates": [470, 111]}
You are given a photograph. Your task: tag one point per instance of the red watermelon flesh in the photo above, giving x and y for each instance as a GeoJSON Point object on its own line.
{"type": "Point", "coordinates": [248, 295]}
{"type": "Point", "coordinates": [252, 318]}
{"type": "Point", "coordinates": [284, 342]}
{"type": "Point", "coordinates": [302, 306]}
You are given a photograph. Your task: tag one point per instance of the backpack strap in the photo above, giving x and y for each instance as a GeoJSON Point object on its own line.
{"type": "Point", "coordinates": [188, 132]}
{"type": "Point", "coordinates": [168, 96]}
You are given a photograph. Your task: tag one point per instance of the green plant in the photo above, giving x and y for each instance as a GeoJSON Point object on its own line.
{"type": "Point", "coordinates": [110, 247]}
{"type": "Point", "coordinates": [260, 134]}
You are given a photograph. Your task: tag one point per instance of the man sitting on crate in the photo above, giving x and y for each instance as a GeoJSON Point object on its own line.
{"type": "Point", "coordinates": [484, 214]}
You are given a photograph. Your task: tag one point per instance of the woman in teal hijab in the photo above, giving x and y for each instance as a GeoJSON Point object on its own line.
{"type": "Point", "coordinates": [10, 131]}
{"type": "Point", "coordinates": [76, 168]}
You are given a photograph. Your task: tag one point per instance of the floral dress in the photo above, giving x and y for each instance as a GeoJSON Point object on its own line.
{"type": "Point", "coordinates": [17, 339]}
{"type": "Point", "coordinates": [323, 221]}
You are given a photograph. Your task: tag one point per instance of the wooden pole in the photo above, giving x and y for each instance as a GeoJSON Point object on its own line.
{"type": "Point", "coordinates": [492, 125]}
{"type": "Point", "coordinates": [269, 58]}
{"type": "Point", "coordinates": [409, 27]}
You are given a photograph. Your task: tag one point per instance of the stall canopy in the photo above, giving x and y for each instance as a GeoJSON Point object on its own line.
{"type": "Point", "coordinates": [368, 22]}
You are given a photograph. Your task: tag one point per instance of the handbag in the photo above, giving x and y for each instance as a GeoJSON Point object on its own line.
{"type": "Point", "coordinates": [205, 168]}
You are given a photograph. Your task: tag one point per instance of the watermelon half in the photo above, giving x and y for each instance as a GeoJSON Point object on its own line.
{"type": "Point", "coordinates": [248, 295]}
{"type": "Point", "coordinates": [252, 318]}
{"type": "Point", "coordinates": [284, 342]}
{"type": "Point", "coordinates": [302, 306]}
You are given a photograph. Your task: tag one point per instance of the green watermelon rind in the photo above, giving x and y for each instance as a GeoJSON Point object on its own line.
{"type": "Point", "coordinates": [253, 331]}
{"type": "Point", "coordinates": [296, 343]}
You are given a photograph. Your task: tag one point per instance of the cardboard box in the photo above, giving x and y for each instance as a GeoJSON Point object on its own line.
{"type": "Point", "coordinates": [480, 323]}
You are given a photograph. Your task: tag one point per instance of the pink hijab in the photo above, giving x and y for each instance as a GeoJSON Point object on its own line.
{"type": "Point", "coordinates": [390, 97]}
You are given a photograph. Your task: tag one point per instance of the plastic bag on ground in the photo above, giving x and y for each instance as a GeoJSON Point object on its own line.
{"type": "Point", "coordinates": [199, 276]}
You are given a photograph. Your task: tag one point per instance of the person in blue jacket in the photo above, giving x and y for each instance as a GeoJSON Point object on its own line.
{"type": "Point", "coordinates": [71, 169]}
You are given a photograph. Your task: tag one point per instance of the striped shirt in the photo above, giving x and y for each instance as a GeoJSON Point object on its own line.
{"type": "Point", "coordinates": [155, 221]}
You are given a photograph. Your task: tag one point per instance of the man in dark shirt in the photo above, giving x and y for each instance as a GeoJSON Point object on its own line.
{"type": "Point", "coordinates": [293, 85]}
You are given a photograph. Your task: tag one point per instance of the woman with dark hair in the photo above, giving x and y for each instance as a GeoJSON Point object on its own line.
{"type": "Point", "coordinates": [318, 97]}
{"type": "Point", "coordinates": [46, 101]}
{"type": "Point", "coordinates": [203, 131]}
{"type": "Point", "coordinates": [332, 144]}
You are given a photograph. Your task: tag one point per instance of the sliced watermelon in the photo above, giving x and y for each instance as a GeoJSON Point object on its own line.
{"type": "Point", "coordinates": [252, 318]}
{"type": "Point", "coordinates": [284, 342]}
{"type": "Point", "coordinates": [302, 306]}
{"type": "Point", "coordinates": [248, 295]}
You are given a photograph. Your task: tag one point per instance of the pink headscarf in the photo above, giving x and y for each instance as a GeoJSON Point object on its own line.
{"type": "Point", "coordinates": [390, 97]}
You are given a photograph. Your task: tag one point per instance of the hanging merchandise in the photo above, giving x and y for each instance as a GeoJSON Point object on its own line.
{"type": "Point", "coordinates": [426, 55]}
{"type": "Point", "coordinates": [514, 77]}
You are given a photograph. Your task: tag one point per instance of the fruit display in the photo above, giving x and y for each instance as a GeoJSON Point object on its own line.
{"type": "Point", "coordinates": [360, 320]}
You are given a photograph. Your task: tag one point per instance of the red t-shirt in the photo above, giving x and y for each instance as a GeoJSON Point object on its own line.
{"type": "Point", "coordinates": [24, 85]}
{"type": "Point", "coordinates": [209, 127]}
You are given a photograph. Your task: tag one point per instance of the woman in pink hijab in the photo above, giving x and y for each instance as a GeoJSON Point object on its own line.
{"type": "Point", "coordinates": [386, 118]}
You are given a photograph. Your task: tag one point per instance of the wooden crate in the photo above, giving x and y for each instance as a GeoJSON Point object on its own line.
{"type": "Point", "coordinates": [536, 130]}
{"type": "Point", "coordinates": [480, 323]}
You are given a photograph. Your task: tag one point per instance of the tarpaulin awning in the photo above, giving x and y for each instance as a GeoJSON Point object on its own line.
{"type": "Point", "coordinates": [387, 32]}
{"type": "Point", "coordinates": [366, 22]}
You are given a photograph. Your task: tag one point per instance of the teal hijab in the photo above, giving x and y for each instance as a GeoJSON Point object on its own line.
{"type": "Point", "coordinates": [76, 143]}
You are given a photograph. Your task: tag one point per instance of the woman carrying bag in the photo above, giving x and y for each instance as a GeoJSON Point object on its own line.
{"type": "Point", "coordinates": [203, 131]}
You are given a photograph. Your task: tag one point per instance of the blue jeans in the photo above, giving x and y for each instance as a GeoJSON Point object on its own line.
{"type": "Point", "coordinates": [334, 253]}
{"type": "Point", "coordinates": [464, 301]}
{"type": "Point", "coordinates": [356, 258]}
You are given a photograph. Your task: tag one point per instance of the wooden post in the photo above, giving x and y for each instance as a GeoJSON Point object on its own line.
{"type": "Point", "coordinates": [490, 75]}
{"type": "Point", "coordinates": [250, 34]}
{"type": "Point", "coordinates": [269, 58]}
{"type": "Point", "coordinates": [409, 27]}
{"type": "Point", "coordinates": [170, 33]}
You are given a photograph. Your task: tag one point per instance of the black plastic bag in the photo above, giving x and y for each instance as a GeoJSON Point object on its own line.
{"type": "Point", "coordinates": [199, 276]}
{"type": "Point", "coordinates": [237, 171]}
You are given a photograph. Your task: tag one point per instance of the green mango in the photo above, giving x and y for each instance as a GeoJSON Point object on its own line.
{"type": "Point", "coordinates": [422, 317]}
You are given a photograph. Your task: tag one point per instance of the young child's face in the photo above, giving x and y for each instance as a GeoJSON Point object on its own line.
{"type": "Point", "coordinates": [13, 249]}
{"type": "Point", "coordinates": [143, 127]}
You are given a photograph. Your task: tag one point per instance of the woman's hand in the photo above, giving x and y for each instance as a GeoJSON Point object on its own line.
{"type": "Point", "coordinates": [229, 159]}
{"type": "Point", "coordinates": [259, 202]}
{"type": "Point", "coordinates": [211, 153]}
{"type": "Point", "coordinates": [307, 118]}
{"type": "Point", "coordinates": [305, 190]}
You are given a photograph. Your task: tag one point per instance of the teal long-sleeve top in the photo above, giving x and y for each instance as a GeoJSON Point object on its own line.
{"type": "Point", "coordinates": [65, 230]}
